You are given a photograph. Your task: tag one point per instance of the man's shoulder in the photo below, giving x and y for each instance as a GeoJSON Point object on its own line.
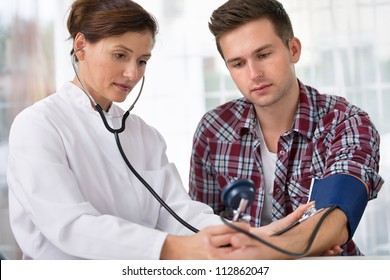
{"type": "Point", "coordinates": [229, 109]}
{"type": "Point", "coordinates": [330, 110]}
{"type": "Point", "coordinates": [226, 120]}
{"type": "Point", "coordinates": [326, 102]}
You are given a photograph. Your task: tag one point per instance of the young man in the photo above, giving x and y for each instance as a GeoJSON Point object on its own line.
{"type": "Point", "coordinates": [283, 135]}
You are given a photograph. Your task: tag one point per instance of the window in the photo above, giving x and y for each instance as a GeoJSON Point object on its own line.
{"type": "Point", "coordinates": [346, 51]}
{"type": "Point", "coordinates": [26, 75]}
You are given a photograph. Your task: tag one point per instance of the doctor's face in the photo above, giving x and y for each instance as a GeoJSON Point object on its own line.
{"type": "Point", "coordinates": [260, 63]}
{"type": "Point", "coordinates": [112, 67]}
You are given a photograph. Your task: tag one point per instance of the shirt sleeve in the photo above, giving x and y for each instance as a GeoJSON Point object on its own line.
{"type": "Point", "coordinates": [350, 144]}
{"type": "Point", "coordinates": [353, 148]}
{"type": "Point", "coordinates": [195, 213]}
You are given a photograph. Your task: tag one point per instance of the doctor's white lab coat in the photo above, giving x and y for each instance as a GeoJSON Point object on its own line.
{"type": "Point", "coordinates": [72, 196]}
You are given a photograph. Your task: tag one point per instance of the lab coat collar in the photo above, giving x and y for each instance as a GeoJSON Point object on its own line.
{"type": "Point", "coordinates": [77, 96]}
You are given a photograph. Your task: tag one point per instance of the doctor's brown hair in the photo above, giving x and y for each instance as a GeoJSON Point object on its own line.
{"type": "Point", "coordinates": [235, 13]}
{"type": "Point", "coordinates": [98, 19]}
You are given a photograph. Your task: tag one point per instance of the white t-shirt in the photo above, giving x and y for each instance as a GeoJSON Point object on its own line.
{"type": "Point", "coordinates": [72, 196]}
{"type": "Point", "coordinates": [268, 161]}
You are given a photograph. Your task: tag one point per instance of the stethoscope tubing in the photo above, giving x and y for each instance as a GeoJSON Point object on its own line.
{"type": "Point", "coordinates": [116, 133]}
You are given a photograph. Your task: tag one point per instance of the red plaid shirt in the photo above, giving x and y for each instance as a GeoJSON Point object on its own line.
{"type": "Point", "coordinates": [329, 136]}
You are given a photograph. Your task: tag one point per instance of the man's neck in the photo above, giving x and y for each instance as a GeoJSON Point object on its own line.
{"type": "Point", "coordinates": [276, 120]}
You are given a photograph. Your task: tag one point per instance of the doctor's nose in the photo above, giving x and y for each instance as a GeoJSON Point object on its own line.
{"type": "Point", "coordinates": [131, 72]}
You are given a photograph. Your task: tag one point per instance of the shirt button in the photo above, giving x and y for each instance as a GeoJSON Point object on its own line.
{"type": "Point", "coordinates": [282, 152]}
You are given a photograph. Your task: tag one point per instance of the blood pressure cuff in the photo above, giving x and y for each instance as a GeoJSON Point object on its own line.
{"type": "Point", "coordinates": [344, 191]}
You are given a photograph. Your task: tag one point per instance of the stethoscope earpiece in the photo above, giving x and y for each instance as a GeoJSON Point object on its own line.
{"type": "Point", "coordinates": [95, 104]}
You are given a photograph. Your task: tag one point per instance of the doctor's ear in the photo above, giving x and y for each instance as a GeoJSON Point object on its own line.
{"type": "Point", "coordinates": [79, 45]}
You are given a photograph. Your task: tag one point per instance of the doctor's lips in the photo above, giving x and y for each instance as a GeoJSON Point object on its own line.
{"type": "Point", "coordinates": [123, 87]}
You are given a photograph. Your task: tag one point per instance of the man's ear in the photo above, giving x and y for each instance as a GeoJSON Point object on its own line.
{"type": "Point", "coordinates": [295, 49]}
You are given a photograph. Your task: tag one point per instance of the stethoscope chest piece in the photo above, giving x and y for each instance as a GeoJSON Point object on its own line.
{"type": "Point", "coordinates": [238, 195]}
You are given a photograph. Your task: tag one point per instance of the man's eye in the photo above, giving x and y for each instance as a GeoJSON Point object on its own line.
{"type": "Point", "coordinates": [238, 65]}
{"type": "Point", "coordinates": [263, 55]}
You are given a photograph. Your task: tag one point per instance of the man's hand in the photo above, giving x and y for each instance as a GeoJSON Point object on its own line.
{"type": "Point", "coordinates": [242, 246]}
{"type": "Point", "coordinates": [281, 224]}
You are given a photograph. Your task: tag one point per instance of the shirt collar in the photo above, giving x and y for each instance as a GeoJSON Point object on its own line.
{"type": "Point", "coordinates": [304, 122]}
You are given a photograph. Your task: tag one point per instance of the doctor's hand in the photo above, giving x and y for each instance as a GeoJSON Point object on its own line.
{"type": "Point", "coordinates": [193, 247]}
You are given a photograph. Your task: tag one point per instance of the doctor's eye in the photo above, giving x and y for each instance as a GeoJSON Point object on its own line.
{"type": "Point", "coordinates": [119, 56]}
{"type": "Point", "coordinates": [143, 62]}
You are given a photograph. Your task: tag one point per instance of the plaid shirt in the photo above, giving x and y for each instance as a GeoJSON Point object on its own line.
{"type": "Point", "coordinates": [329, 136]}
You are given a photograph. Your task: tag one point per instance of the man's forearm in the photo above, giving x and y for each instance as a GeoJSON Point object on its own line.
{"type": "Point", "coordinates": [332, 232]}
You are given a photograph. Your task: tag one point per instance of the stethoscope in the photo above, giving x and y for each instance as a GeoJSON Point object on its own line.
{"type": "Point", "coordinates": [117, 131]}
{"type": "Point", "coordinates": [237, 195]}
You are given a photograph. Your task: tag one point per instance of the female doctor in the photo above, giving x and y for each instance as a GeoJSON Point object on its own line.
{"type": "Point", "coordinates": [71, 194]}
